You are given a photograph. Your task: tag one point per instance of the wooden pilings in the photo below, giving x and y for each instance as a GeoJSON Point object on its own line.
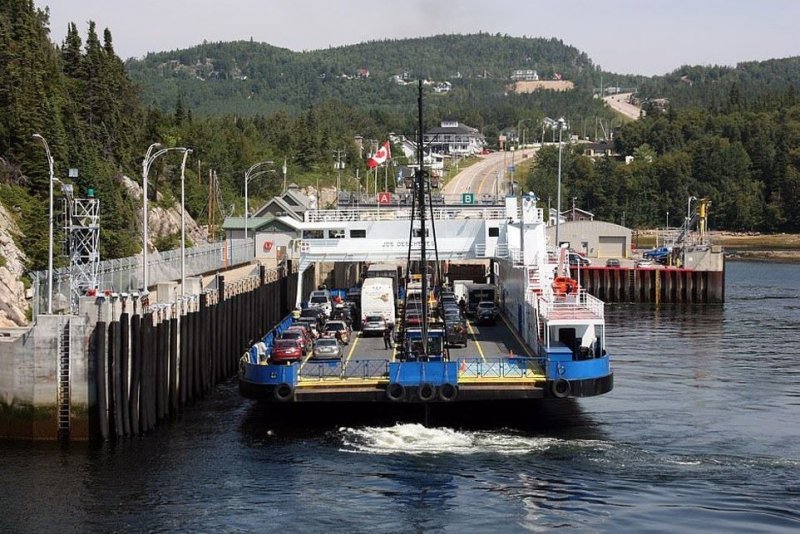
{"type": "Point", "coordinates": [655, 285]}
{"type": "Point", "coordinates": [149, 364]}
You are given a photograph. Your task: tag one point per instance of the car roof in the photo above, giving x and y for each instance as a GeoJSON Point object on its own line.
{"type": "Point", "coordinates": [285, 341]}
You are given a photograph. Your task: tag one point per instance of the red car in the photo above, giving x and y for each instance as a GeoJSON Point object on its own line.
{"type": "Point", "coordinates": [299, 334]}
{"type": "Point", "coordinates": [287, 351]}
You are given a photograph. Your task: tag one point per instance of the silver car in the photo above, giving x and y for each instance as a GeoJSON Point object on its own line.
{"type": "Point", "coordinates": [373, 324]}
{"type": "Point", "coordinates": [327, 348]}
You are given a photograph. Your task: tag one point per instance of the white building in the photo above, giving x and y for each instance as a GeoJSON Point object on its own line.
{"type": "Point", "coordinates": [451, 137]}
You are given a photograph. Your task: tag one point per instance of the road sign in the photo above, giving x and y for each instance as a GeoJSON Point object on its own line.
{"type": "Point", "coordinates": [512, 168]}
{"type": "Point", "coordinates": [384, 198]}
{"type": "Point", "coordinates": [468, 198]}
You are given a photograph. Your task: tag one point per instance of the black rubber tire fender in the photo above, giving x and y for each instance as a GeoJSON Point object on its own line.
{"type": "Point", "coordinates": [560, 388]}
{"type": "Point", "coordinates": [283, 392]}
{"type": "Point", "coordinates": [426, 392]}
{"type": "Point", "coordinates": [448, 392]}
{"type": "Point", "coordinates": [395, 392]}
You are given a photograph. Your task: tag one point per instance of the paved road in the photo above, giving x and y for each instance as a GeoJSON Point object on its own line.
{"type": "Point", "coordinates": [486, 177]}
{"type": "Point", "coordinates": [620, 104]}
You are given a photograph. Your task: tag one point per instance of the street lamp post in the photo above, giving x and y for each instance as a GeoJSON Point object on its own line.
{"type": "Point", "coordinates": [689, 211]}
{"type": "Point", "coordinates": [50, 244]}
{"type": "Point", "coordinates": [148, 160]}
{"type": "Point", "coordinates": [561, 125]}
{"type": "Point", "coordinates": [183, 221]}
{"type": "Point", "coordinates": [249, 175]}
{"type": "Point", "coordinates": [519, 133]}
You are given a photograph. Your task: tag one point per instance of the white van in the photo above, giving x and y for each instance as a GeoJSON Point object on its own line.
{"type": "Point", "coordinates": [321, 299]}
{"type": "Point", "coordinates": [377, 298]}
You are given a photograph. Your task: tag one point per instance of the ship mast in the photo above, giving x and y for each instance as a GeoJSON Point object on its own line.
{"type": "Point", "coordinates": [420, 180]}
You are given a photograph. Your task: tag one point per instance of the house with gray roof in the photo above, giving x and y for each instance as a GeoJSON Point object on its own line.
{"type": "Point", "coordinates": [454, 138]}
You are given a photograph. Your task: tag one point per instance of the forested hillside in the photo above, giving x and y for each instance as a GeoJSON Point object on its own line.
{"type": "Point", "coordinates": [745, 158]}
{"type": "Point", "coordinates": [754, 84]}
{"type": "Point", "coordinates": [249, 78]}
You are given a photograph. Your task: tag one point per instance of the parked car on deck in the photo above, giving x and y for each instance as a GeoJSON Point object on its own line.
{"type": "Point", "coordinates": [317, 314]}
{"type": "Point", "coordinates": [327, 348]}
{"type": "Point", "coordinates": [333, 328]}
{"type": "Point", "coordinates": [612, 262]}
{"type": "Point", "coordinates": [286, 351]}
{"type": "Point", "coordinates": [299, 335]}
{"type": "Point", "coordinates": [486, 313]}
{"type": "Point", "coordinates": [457, 333]}
{"type": "Point", "coordinates": [373, 324]}
{"type": "Point", "coordinates": [645, 263]}
{"type": "Point", "coordinates": [321, 299]}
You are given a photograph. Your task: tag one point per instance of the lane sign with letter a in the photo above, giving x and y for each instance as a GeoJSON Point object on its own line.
{"type": "Point", "coordinates": [384, 198]}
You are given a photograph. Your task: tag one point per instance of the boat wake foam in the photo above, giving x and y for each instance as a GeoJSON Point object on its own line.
{"type": "Point", "coordinates": [419, 439]}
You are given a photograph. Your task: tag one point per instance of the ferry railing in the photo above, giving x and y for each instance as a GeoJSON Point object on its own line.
{"type": "Point", "coordinates": [366, 369]}
{"type": "Point", "coordinates": [320, 370]}
{"type": "Point", "coordinates": [572, 305]}
{"type": "Point", "coordinates": [394, 213]}
{"type": "Point", "coordinates": [511, 367]}
{"type": "Point", "coordinates": [336, 369]}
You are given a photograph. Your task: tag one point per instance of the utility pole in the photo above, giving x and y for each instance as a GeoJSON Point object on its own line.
{"type": "Point", "coordinates": [338, 154]}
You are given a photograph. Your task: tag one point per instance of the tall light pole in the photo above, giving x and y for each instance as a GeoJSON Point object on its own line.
{"type": "Point", "coordinates": [519, 133]}
{"type": "Point", "coordinates": [42, 140]}
{"type": "Point", "coordinates": [148, 160]}
{"type": "Point", "coordinates": [249, 175]}
{"type": "Point", "coordinates": [186, 153]}
{"type": "Point", "coordinates": [689, 211]}
{"type": "Point", "coordinates": [561, 125]}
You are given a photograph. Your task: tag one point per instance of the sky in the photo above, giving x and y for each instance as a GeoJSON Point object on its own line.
{"type": "Point", "coordinates": [624, 36]}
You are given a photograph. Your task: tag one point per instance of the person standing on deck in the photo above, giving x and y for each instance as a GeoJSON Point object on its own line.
{"type": "Point", "coordinates": [387, 337]}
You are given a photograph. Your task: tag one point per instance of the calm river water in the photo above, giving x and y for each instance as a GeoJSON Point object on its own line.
{"type": "Point", "coordinates": [701, 432]}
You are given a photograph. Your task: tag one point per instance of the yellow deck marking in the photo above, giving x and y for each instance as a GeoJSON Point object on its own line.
{"type": "Point", "coordinates": [516, 336]}
{"type": "Point", "coordinates": [352, 349]}
{"type": "Point", "coordinates": [305, 360]}
{"type": "Point", "coordinates": [475, 339]}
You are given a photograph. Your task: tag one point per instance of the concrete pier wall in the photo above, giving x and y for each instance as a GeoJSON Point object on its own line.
{"type": "Point", "coordinates": [657, 285]}
{"type": "Point", "coordinates": [29, 366]}
{"type": "Point", "coordinates": [132, 364]}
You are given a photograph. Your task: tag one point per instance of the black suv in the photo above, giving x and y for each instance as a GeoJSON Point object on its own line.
{"type": "Point", "coordinates": [486, 313]}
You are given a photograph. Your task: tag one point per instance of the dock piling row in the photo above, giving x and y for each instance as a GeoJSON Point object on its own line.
{"type": "Point", "coordinates": [149, 364]}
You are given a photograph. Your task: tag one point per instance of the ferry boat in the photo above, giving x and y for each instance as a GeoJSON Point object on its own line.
{"type": "Point", "coordinates": [549, 341]}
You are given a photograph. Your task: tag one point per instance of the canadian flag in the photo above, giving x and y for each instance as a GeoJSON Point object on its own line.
{"type": "Point", "coordinates": [380, 156]}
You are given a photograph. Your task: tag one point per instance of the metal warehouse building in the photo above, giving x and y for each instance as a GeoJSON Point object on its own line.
{"type": "Point", "coordinates": [596, 239]}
